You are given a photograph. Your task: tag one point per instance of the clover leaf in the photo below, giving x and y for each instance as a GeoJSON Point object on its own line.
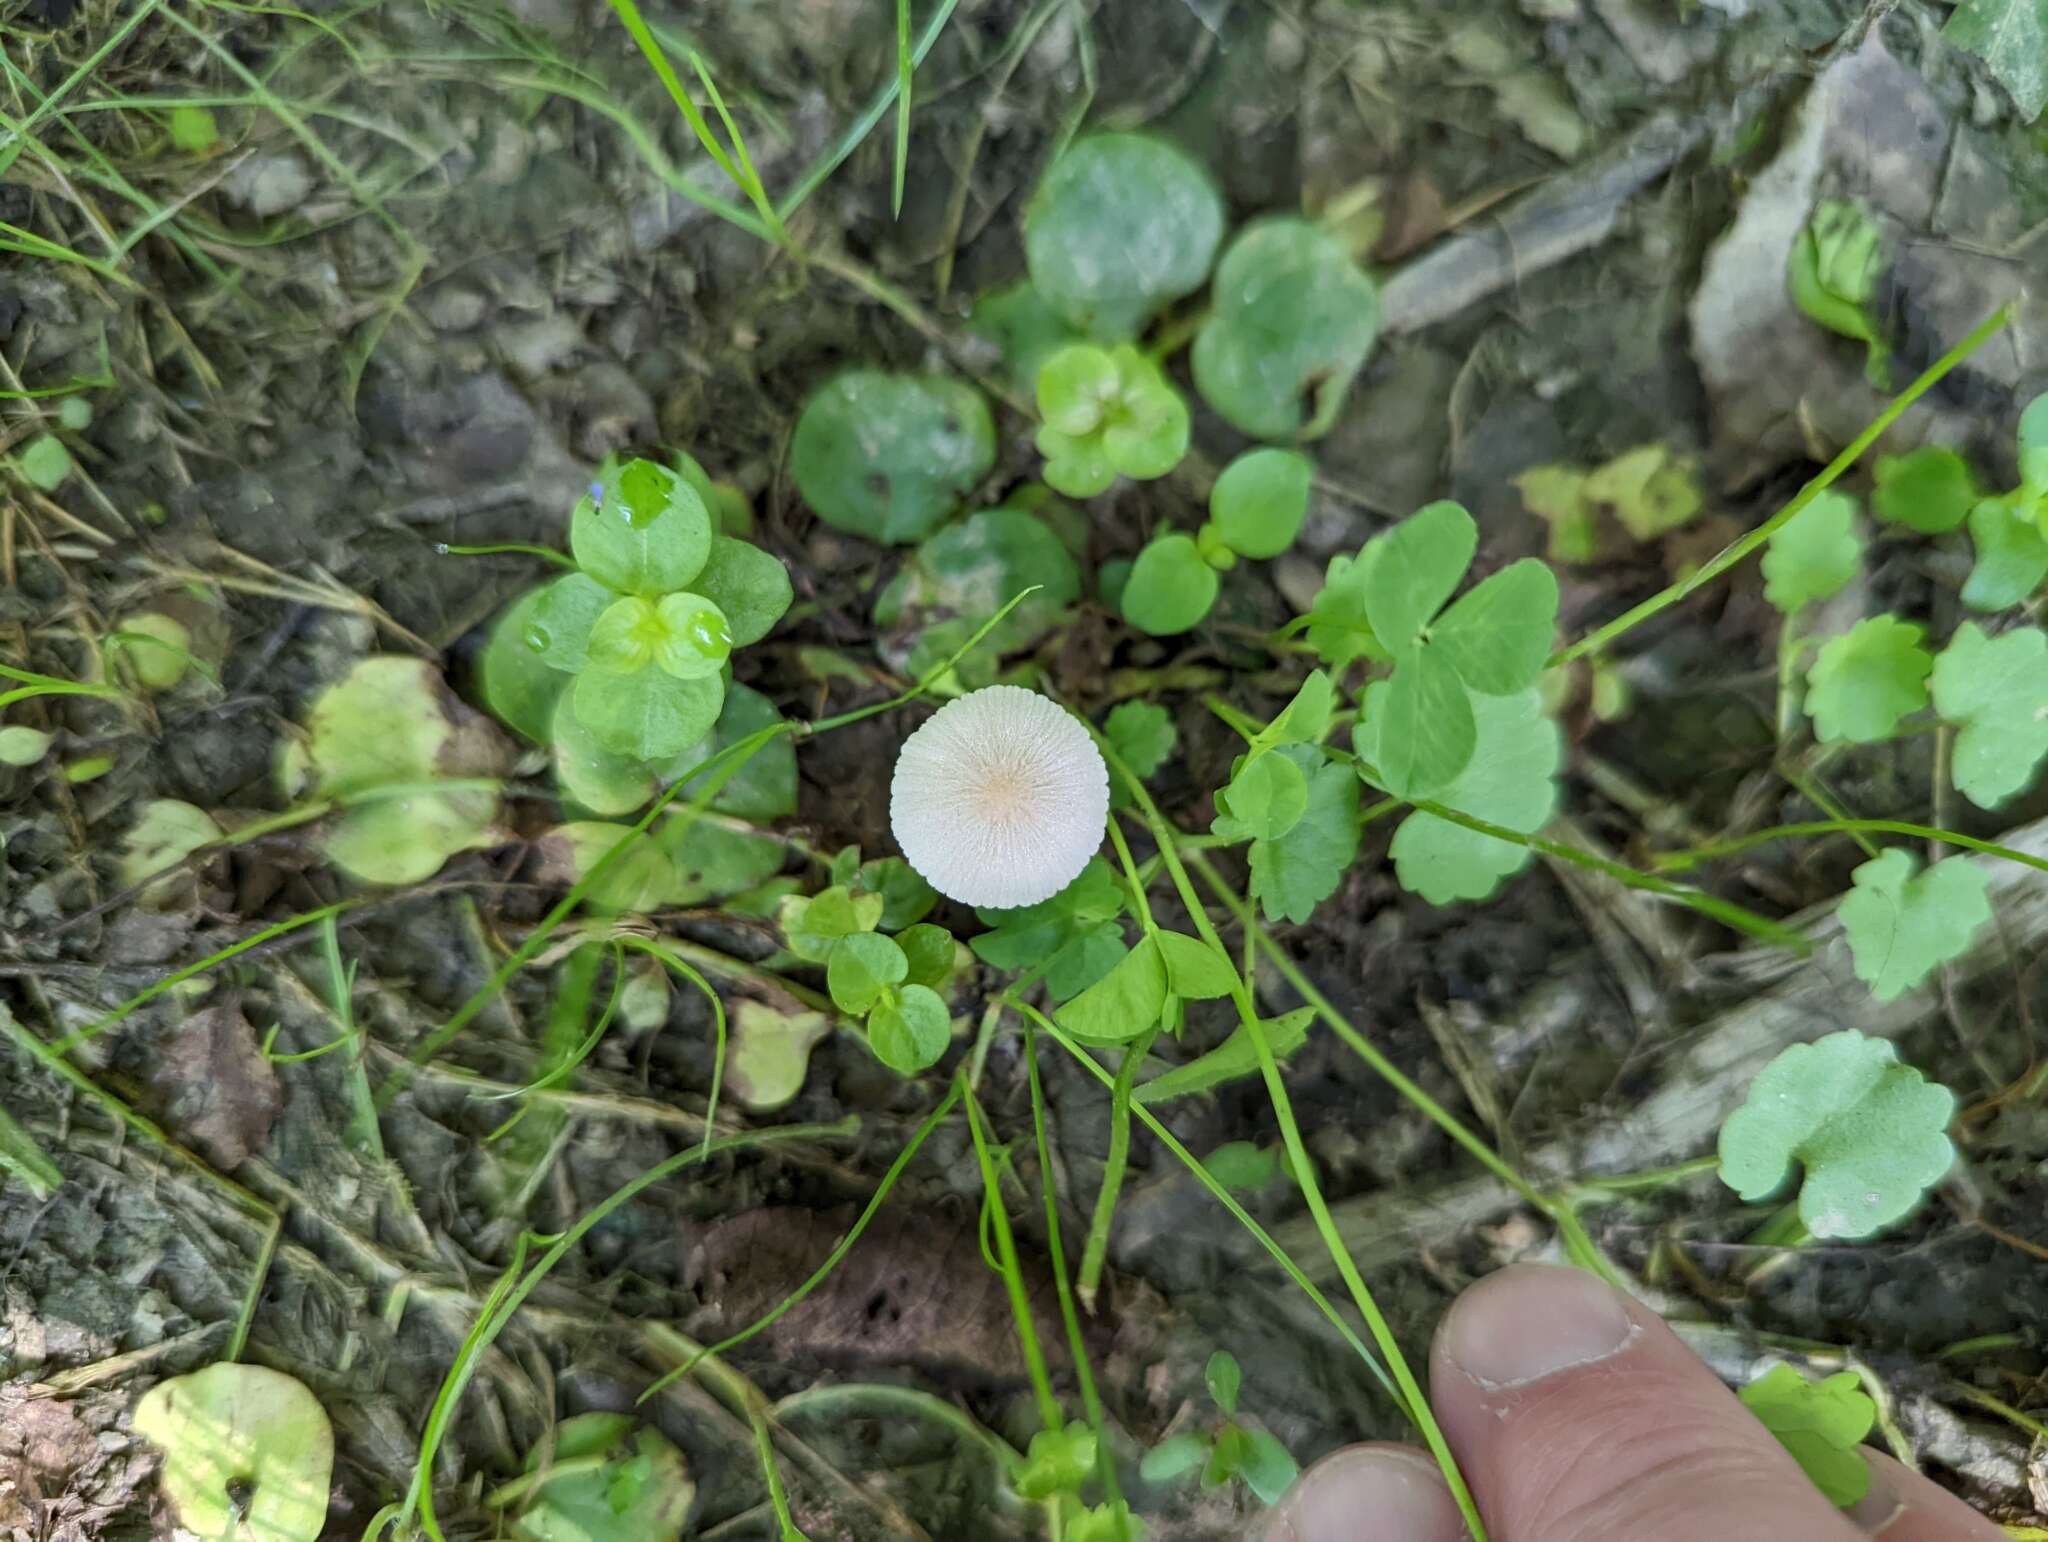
{"type": "Point", "coordinates": [2012, 555]}
{"type": "Point", "coordinates": [1108, 412]}
{"type": "Point", "coordinates": [1869, 1133]}
{"type": "Point", "coordinates": [1171, 587]}
{"type": "Point", "coordinates": [1260, 500]}
{"type": "Point", "coordinates": [1813, 554]}
{"type": "Point", "coordinates": [1995, 691]}
{"type": "Point", "coordinates": [861, 968]}
{"type": "Point", "coordinates": [1124, 1003]}
{"type": "Point", "coordinates": [641, 530]}
{"type": "Point", "coordinates": [1930, 490]}
{"type": "Point", "coordinates": [1900, 927]}
{"type": "Point", "coordinates": [970, 568]}
{"type": "Point", "coordinates": [1074, 935]}
{"type": "Point", "coordinates": [1293, 874]}
{"type": "Point", "coordinates": [1821, 1423]}
{"type": "Point", "coordinates": [1291, 323]}
{"type": "Point", "coordinates": [247, 1453]}
{"type": "Point", "coordinates": [1121, 227]}
{"type": "Point", "coordinates": [1337, 628]}
{"type": "Point", "coordinates": [1832, 274]}
{"type": "Point", "coordinates": [1057, 1462]}
{"type": "Point", "coordinates": [911, 1031]}
{"type": "Point", "coordinates": [1510, 781]}
{"type": "Point", "coordinates": [1867, 679]}
{"type": "Point", "coordinates": [891, 456]}
{"type": "Point", "coordinates": [604, 1477]}
{"type": "Point", "coordinates": [813, 926]}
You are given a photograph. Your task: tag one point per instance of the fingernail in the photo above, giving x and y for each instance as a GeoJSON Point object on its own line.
{"type": "Point", "coordinates": [1879, 1509]}
{"type": "Point", "coordinates": [1369, 1491]}
{"type": "Point", "coordinates": [1533, 1321]}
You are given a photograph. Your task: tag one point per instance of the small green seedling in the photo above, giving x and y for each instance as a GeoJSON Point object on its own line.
{"type": "Point", "coordinates": [1108, 412]}
{"type": "Point", "coordinates": [1234, 1059]}
{"type": "Point", "coordinates": [193, 128]}
{"type": "Point", "coordinates": [2010, 531]}
{"type": "Point", "coordinates": [1058, 1462]}
{"type": "Point", "coordinates": [1901, 927]}
{"type": "Point", "coordinates": [891, 457]}
{"type": "Point", "coordinates": [1868, 679]}
{"type": "Point", "coordinates": [1491, 642]}
{"type": "Point", "coordinates": [247, 1453]}
{"type": "Point", "coordinates": [621, 667]}
{"type": "Point", "coordinates": [894, 984]}
{"type": "Point", "coordinates": [1813, 555]}
{"type": "Point", "coordinates": [603, 1477]}
{"type": "Point", "coordinates": [1821, 1423]}
{"type": "Point", "coordinates": [1292, 321]}
{"type": "Point", "coordinates": [1143, 737]}
{"type": "Point", "coordinates": [412, 771]}
{"type": "Point", "coordinates": [1228, 1451]}
{"type": "Point", "coordinates": [1640, 495]}
{"type": "Point", "coordinates": [1870, 1134]}
{"type": "Point", "coordinates": [1994, 691]}
{"type": "Point", "coordinates": [1125, 1003]}
{"type": "Point", "coordinates": [1121, 227]}
{"type": "Point", "coordinates": [1255, 510]}
{"type": "Point", "coordinates": [1295, 803]}
{"type": "Point", "coordinates": [1832, 273]}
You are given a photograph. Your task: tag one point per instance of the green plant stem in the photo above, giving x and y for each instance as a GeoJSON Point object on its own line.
{"type": "Point", "coordinates": [661, 952]}
{"type": "Point", "coordinates": [828, 1396]}
{"type": "Point", "coordinates": [1226, 1199]}
{"type": "Point", "coordinates": [1304, 1170]}
{"type": "Point", "coordinates": [771, 1474]}
{"type": "Point", "coordinates": [1681, 861]}
{"type": "Point", "coordinates": [1602, 637]}
{"type": "Point", "coordinates": [1096, 1252]}
{"type": "Point", "coordinates": [1648, 1180]}
{"type": "Point", "coordinates": [1137, 884]}
{"type": "Point", "coordinates": [1077, 1346]}
{"type": "Point", "coordinates": [1049, 1412]}
{"type": "Point", "coordinates": [504, 548]}
{"type": "Point", "coordinates": [363, 1132]}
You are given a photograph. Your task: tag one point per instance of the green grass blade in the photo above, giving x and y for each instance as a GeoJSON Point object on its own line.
{"type": "Point", "coordinates": [21, 1158]}
{"type": "Point", "coordinates": [905, 66]}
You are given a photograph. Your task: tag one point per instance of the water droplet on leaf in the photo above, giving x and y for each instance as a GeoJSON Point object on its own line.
{"type": "Point", "coordinates": [537, 637]}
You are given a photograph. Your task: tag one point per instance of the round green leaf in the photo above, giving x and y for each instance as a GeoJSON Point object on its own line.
{"type": "Point", "coordinates": [1142, 734]}
{"type": "Point", "coordinates": [1023, 324]}
{"type": "Point", "coordinates": [557, 630]}
{"type": "Point", "coordinates": [1929, 490]}
{"type": "Point", "coordinates": [890, 456]}
{"type": "Point", "coordinates": [649, 715]}
{"type": "Point", "coordinates": [516, 682]}
{"type": "Point", "coordinates": [22, 746]}
{"type": "Point", "coordinates": [695, 640]}
{"type": "Point", "coordinates": [713, 861]}
{"type": "Point", "coordinates": [861, 968]}
{"type": "Point", "coordinates": [1121, 226]}
{"type": "Point", "coordinates": [45, 462]}
{"type": "Point", "coordinates": [1496, 637]}
{"type": "Point", "coordinates": [2033, 442]}
{"type": "Point", "coordinates": [1076, 387]}
{"type": "Point", "coordinates": [1901, 928]}
{"type": "Point", "coordinates": [641, 530]}
{"type": "Point", "coordinates": [1261, 499]}
{"type": "Point", "coordinates": [1867, 679]}
{"type": "Point", "coordinates": [1995, 691]}
{"type": "Point", "coordinates": [248, 1453]}
{"type": "Point", "coordinates": [749, 585]}
{"type": "Point", "coordinates": [1869, 1132]}
{"type": "Point", "coordinates": [931, 952]}
{"type": "Point", "coordinates": [610, 1479]}
{"type": "Point", "coordinates": [912, 1032]}
{"type": "Point", "coordinates": [1292, 321]}
{"type": "Point", "coordinates": [1814, 553]}
{"type": "Point", "coordinates": [1412, 569]}
{"type": "Point", "coordinates": [765, 787]}
{"type": "Point", "coordinates": [1122, 1004]}
{"type": "Point", "coordinates": [600, 779]}
{"type": "Point", "coordinates": [1170, 588]}
{"type": "Point", "coordinates": [402, 840]}
{"type": "Point", "coordinates": [625, 636]}
{"type": "Point", "coordinates": [1821, 1423]}
{"type": "Point", "coordinates": [2012, 556]}
{"type": "Point", "coordinates": [972, 567]}
{"type": "Point", "coordinates": [1078, 466]}
{"type": "Point", "coordinates": [193, 128]}
{"type": "Point", "coordinates": [1424, 727]}
{"type": "Point", "coordinates": [1265, 799]}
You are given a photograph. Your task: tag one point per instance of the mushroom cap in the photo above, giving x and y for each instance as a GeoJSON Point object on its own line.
{"type": "Point", "coordinates": [1000, 799]}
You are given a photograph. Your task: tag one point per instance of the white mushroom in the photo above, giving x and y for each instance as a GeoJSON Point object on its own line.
{"type": "Point", "coordinates": [1000, 799]}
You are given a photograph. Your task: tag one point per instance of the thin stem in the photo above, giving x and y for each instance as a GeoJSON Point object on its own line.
{"type": "Point", "coordinates": [1049, 1411]}
{"type": "Point", "coordinates": [1679, 861]}
{"type": "Point", "coordinates": [1096, 1253]}
{"type": "Point", "coordinates": [1077, 1346]}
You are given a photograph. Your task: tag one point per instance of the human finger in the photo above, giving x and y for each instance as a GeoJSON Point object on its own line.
{"type": "Point", "coordinates": [1382, 1492]}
